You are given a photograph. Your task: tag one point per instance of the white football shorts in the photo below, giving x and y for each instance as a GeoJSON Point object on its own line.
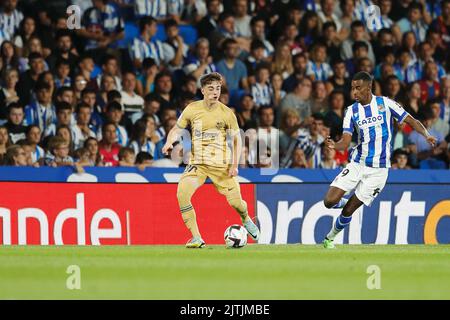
{"type": "Point", "coordinates": [367, 181]}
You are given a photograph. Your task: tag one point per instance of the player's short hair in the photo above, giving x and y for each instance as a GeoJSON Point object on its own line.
{"type": "Point", "coordinates": [14, 105]}
{"type": "Point", "coordinates": [82, 105]}
{"type": "Point", "coordinates": [362, 75]}
{"type": "Point", "coordinates": [209, 78]}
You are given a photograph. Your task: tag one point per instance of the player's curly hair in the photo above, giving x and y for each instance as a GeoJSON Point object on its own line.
{"type": "Point", "coordinates": [210, 77]}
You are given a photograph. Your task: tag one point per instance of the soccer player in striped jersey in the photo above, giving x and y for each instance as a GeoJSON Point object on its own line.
{"type": "Point", "coordinates": [369, 161]}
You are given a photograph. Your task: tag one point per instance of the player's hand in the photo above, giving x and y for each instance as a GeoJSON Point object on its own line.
{"type": "Point", "coordinates": [329, 143]}
{"type": "Point", "coordinates": [233, 172]}
{"type": "Point", "coordinates": [432, 141]}
{"type": "Point", "coordinates": [167, 147]}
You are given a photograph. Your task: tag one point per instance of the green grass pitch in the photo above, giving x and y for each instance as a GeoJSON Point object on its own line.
{"type": "Point", "coordinates": [254, 272]}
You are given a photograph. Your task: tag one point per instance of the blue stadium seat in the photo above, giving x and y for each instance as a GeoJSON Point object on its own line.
{"type": "Point", "coordinates": [432, 164]}
{"type": "Point", "coordinates": [131, 32]}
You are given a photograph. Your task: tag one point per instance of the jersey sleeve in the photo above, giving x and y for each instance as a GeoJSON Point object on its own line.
{"type": "Point", "coordinates": [397, 111]}
{"type": "Point", "coordinates": [347, 126]}
{"type": "Point", "coordinates": [185, 118]}
{"type": "Point", "coordinates": [233, 126]}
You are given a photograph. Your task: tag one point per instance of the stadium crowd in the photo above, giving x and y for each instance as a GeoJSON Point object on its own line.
{"type": "Point", "coordinates": [91, 95]}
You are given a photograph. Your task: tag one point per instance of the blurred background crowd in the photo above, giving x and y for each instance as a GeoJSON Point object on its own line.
{"type": "Point", "coordinates": [104, 84]}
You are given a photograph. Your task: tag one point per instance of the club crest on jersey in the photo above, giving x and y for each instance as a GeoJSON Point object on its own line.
{"type": "Point", "coordinates": [220, 125]}
{"type": "Point", "coordinates": [381, 108]}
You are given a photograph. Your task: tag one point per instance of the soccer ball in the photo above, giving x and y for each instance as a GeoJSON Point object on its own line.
{"type": "Point", "coordinates": [235, 236]}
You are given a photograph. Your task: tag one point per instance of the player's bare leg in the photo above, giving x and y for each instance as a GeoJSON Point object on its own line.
{"type": "Point", "coordinates": [342, 221]}
{"type": "Point", "coordinates": [186, 188]}
{"type": "Point", "coordinates": [334, 198]}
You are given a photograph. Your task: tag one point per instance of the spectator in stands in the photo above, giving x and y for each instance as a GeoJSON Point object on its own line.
{"type": "Point", "coordinates": [63, 117]}
{"type": "Point", "coordinates": [59, 155]}
{"type": "Point", "coordinates": [209, 22]}
{"type": "Point", "coordinates": [258, 29]}
{"type": "Point", "coordinates": [4, 142]}
{"type": "Point", "coordinates": [232, 69]}
{"type": "Point", "coordinates": [8, 56]}
{"type": "Point", "coordinates": [310, 140]}
{"type": "Point", "coordinates": [226, 30]}
{"type": "Point", "coordinates": [131, 101]}
{"type": "Point", "coordinates": [201, 62]}
{"type": "Point", "coordinates": [144, 137]}
{"type": "Point", "coordinates": [15, 156]}
{"type": "Point", "coordinates": [282, 62]}
{"type": "Point", "coordinates": [173, 159]}
{"type": "Point", "coordinates": [175, 49]}
{"type": "Point", "coordinates": [33, 138]}
{"type": "Point", "coordinates": [27, 29]}
{"type": "Point", "coordinates": [163, 90]}
{"type": "Point", "coordinates": [328, 158]}
{"type": "Point", "coordinates": [14, 124]}
{"type": "Point", "coordinates": [400, 159]}
{"type": "Point", "coordinates": [276, 82]}
{"type": "Point", "coordinates": [289, 126]}
{"type": "Point", "coordinates": [428, 157]}
{"type": "Point", "coordinates": [151, 108]}
{"type": "Point", "coordinates": [360, 51]}
{"type": "Point", "coordinates": [156, 9]}
{"type": "Point", "coordinates": [445, 100]}
{"type": "Point", "coordinates": [78, 85]}
{"type": "Point", "coordinates": [393, 88]}
{"type": "Point", "coordinates": [91, 144]}
{"type": "Point", "coordinates": [89, 97]}
{"type": "Point", "coordinates": [262, 90]}
{"type": "Point", "coordinates": [41, 112]}
{"type": "Point", "coordinates": [299, 160]}
{"type": "Point", "coordinates": [146, 79]}
{"type": "Point", "coordinates": [357, 33]}
{"type": "Point", "coordinates": [300, 99]}
{"type": "Point", "coordinates": [426, 53]}
{"type": "Point", "coordinates": [143, 160]}
{"type": "Point", "coordinates": [64, 50]}
{"type": "Point", "coordinates": [317, 68]}
{"type": "Point", "coordinates": [309, 29]}
{"type": "Point", "coordinates": [331, 40]}
{"type": "Point", "coordinates": [326, 14]}
{"type": "Point", "coordinates": [110, 67]}
{"type": "Point", "coordinates": [439, 124]}
{"type": "Point", "coordinates": [82, 129]}
{"type": "Point", "coordinates": [319, 101]}
{"type": "Point", "coordinates": [82, 157]}
{"type": "Point", "coordinates": [267, 136]}
{"type": "Point", "coordinates": [102, 26]}
{"type": "Point", "coordinates": [127, 157]}
{"type": "Point", "coordinates": [107, 84]}
{"type": "Point", "coordinates": [10, 18]}
{"type": "Point", "coordinates": [442, 23]}
{"type": "Point", "coordinates": [62, 67]}
{"type": "Point", "coordinates": [29, 78]}
{"type": "Point", "coordinates": [335, 115]}
{"type": "Point", "coordinates": [300, 62]}
{"type": "Point", "coordinates": [114, 114]}
{"type": "Point", "coordinates": [65, 132]}
{"type": "Point", "coordinates": [339, 81]}
{"type": "Point", "coordinates": [167, 124]}
{"type": "Point", "coordinates": [414, 22]}
{"type": "Point", "coordinates": [246, 117]}
{"type": "Point", "coordinates": [145, 46]}
{"type": "Point", "coordinates": [429, 87]}
{"type": "Point", "coordinates": [108, 147]}
{"type": "Point", "coordinates": [254, 59]}
{"type": "Point", "coordinates": [290, 37]}
{"type": "Point", "coordinates": [8, 93]}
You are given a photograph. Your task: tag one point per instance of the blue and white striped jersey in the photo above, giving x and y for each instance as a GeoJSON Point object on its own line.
{"type": "Point", "coordinates": [10, 23]}
{"type": "Point", "coordinates": [141, 49]}
{"type": "Point", "coordinates": [374, 125]}
{"type": "Point", "coordinates": [155, 8]}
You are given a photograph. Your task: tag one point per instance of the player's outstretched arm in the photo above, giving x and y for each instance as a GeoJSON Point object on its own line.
{"type": "Point", "coordinates": [341, 145]}
{"type": "Point", "coordinates": [418, 126]}
{"type": "Point", "coordinates": [173, 135]}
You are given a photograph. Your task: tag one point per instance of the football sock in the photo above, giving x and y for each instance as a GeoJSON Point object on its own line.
{"type": "Point", "coordinates": [190, 220]}
{"type": "Point", "coordinates": [339, 225]}
{"type": "Point", "coordinates": [241, 207]}
{"type": "Point", "coordinates": [340, 204]}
